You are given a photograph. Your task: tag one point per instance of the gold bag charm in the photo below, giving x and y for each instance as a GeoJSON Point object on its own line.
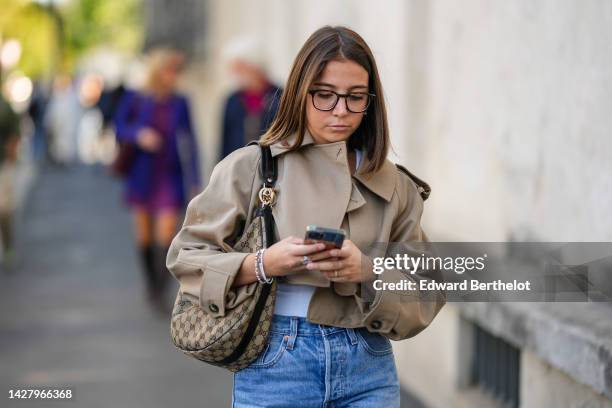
{"type": "Point", "coordinates": [267, 196]}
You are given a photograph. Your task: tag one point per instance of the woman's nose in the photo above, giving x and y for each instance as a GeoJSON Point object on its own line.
{"type": "Point", "coordinates": [340, 108]}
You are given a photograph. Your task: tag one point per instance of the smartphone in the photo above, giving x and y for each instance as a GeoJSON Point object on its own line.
{"type": "Point", "coordinates": [331, 237]}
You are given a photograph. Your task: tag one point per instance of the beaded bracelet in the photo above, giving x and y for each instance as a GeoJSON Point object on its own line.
{"type": "Point", "coordinates": [259, 268]}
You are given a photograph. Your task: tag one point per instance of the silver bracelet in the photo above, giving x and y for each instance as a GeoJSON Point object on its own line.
{"type": "Point", "coordinates": [259, 268]}
{"type": "Point", "coordinates": [257, 271]}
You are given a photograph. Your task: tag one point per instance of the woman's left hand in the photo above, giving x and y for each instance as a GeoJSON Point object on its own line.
{"type": "Point", "coordinates": [345, 264]}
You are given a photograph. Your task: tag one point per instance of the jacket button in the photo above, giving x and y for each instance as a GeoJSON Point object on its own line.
{"type": "Point", "coordinates": [213, 308]}
{"type": "Point", "coordinates": [376, 324]}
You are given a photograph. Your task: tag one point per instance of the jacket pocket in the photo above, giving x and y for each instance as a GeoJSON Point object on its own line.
{"type": "Point", "coordinates": [272, 353]}
{"type": "Point", "coordinates": [374, 343]}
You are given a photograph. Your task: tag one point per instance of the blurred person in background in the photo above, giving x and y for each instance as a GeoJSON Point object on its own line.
{"type": "Point", "coordinates": [163, 173]}
{"type": "Point", "coordinates": [109, 101]}
{"type": "Point", "coordinates": [36, 111]}
{"type": "Point", "coordinates": [9, 143]}
{"type": "Point", "coordinates": [91, 122]}
{"type": "Point", "coordinates": [107, 104]}
{"type": "Point", "coordinates": [250, 109]}
{"type": "Point", "coordinates": [62, 119]}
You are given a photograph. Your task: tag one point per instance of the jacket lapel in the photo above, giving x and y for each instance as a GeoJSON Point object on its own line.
{"type": "Point", "coordinates": [382, 183]}
{"type": "Point", "coordinates": [356, 200]}
{"type": "Point", "coordinates": [314, 187]}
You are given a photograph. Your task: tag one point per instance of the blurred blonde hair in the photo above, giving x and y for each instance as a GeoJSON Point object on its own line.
{"type": "Point", "coordinates": [158, 59]}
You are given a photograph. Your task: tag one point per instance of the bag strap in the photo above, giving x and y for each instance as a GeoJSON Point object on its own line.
{"type": "Point", "coordinates": [268, 166]}
{"type": "Point", "coordinates": [268, 174]}
{"type": "Point", "coordinates": [267, 195]}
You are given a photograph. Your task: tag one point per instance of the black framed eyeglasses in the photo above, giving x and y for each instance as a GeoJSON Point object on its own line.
{"type": "Point", "coordinates": [326, 100]}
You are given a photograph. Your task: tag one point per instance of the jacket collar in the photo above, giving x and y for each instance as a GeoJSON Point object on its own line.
{"type": "Point", "coordinates": [283, 146]}
{"type": "Point", "coordinates": [382, 183]}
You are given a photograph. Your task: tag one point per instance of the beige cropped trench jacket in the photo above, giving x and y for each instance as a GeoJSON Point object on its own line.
{"type": "Point", "coordinates": [314, 186]}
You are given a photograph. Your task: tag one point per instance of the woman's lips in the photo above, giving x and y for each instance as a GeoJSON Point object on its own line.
{"type": "Point", "coordinates": [339, 127]}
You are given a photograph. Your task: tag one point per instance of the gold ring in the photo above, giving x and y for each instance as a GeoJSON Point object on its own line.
{"type": "Point", "coordinates": [335, 274]}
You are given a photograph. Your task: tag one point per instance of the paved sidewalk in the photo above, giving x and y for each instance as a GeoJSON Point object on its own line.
{"type": "Point", "coordinates": [73, 315]}
{"type": "Point", "coordinates": [24, 175]}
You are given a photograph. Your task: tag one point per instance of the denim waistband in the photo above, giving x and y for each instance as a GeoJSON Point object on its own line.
{"type": "Point", "coordinates": [282, 324]}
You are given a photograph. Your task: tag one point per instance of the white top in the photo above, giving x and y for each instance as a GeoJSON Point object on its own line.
{"type": "Point", "coordinates": [291, 299]}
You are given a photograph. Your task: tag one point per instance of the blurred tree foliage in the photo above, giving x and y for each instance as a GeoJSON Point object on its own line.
{"type": "Point", "coordinates": [37, 31]}
{"type": "Point", "coordinates": [55, 34]}
{"type": "Point", "coordinates": [91, 23]}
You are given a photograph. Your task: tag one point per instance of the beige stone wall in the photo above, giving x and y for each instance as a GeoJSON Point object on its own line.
{"type": "Point", "coordinates": [544, 386]}
{"type": "Point", "coordinates": [518, 119]}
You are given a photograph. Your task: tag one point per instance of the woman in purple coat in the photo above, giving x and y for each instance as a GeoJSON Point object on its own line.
{"type": "Point", "coordinates": [164, 172]}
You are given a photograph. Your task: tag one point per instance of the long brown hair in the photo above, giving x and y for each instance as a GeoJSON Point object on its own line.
{"type": "Point", "coordinates": [326, 44]}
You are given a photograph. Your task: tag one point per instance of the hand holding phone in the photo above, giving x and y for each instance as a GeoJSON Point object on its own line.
{"type": "Point", "coordinates": [331, 237]}
{"type": "Point", "coordinates": [351, 257]}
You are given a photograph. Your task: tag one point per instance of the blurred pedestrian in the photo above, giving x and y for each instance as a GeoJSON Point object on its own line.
{"type": "Point", "coordinates": [62, 119]}
{"type": "Point", "coordinates": [90, 127]}
{"type": "Point", "coordinates": [250, 109]}
{"type": "Point", "coordinates": [36, 111]}
{"type": "Point", "coordinates": [108, 103]}
{"type": "Point", "coordinates": [9, 143]}
{"type": "Point", "coordinates": [164, 172]}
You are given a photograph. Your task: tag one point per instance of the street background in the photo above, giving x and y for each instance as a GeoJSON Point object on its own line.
{"type": "Point", "coordinates": [502, 107]}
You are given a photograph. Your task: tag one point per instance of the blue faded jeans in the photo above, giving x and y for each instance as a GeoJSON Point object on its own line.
{"type": "Point", "coordinates": [311, 365]}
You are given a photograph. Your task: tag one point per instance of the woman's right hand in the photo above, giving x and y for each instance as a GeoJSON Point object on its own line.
{"type": "Point", "coordinates": [148, 139]}
{"type": "Point", "coordinates": [286, 256]}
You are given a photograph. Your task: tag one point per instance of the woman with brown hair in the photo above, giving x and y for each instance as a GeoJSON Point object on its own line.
{"type": "Point", "coordinates": [163, 172]}
{"type": "Point", "coordinates": [328, 344]}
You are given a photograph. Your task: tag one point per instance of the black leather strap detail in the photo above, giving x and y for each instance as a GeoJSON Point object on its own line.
{"type": "Point", "coordinates": [268, 172]}
{"type": "Point", "coordinates": [268, 167]}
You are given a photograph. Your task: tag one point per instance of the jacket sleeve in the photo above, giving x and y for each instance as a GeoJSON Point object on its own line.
{"type": "Point", "coordinates": [200, 256]}
{"type": "Point", "coordinates": [126, 120]}
{"type": "Point", "coordinates": [402, 314]}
